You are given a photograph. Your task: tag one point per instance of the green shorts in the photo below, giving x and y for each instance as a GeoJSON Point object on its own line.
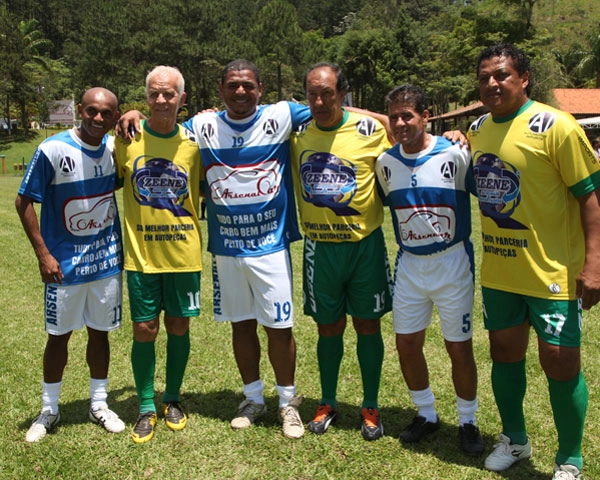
{"type": "Point", "coordinates": [178, 294]}
{"type": "Point", "coordinates": [557, 322]}
{"type": "Point", "coordinates": [347, 277]}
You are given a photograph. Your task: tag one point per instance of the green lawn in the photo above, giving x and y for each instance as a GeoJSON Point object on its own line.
{"type": "Point", "coordinates": [208, 448]}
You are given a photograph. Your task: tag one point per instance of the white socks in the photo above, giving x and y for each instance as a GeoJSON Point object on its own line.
{"type": "Point", "coordinates": [254, 391]}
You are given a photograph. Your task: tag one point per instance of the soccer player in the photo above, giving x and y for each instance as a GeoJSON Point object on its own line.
{"type": "Point", "coordinates": [426, 181]}
{"type": "Point", "coordinates": [251, 218]}
{"type": "Point", "coordinates": [161, 175]}
{"type": "Point", "coordinates": [78, 246]}
{"type": "Point", "coordinates": [537, 183]}
{"type": "Point", "coordinates": [346, 269]}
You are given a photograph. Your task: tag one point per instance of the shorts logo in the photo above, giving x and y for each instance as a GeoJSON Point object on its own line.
{"type": "Point", "coordinates": [541, 122]}
{"type": "Point", "coordinates": [498, 189]}
{"type": "Point", "coordinates": [159, 183]}
{"type": "Point", "coordinates": [270, 127]}
{"type": "Point", "coordinates": [366, 126]}
{"type": "Point", "coordinates": [67, 166]}
{"type": "Point", "coordinates": [89, 216]}
{"type": "Point", "coordinates": [51, 305]}
{"type": "Point", "coordinates": [328, 181]}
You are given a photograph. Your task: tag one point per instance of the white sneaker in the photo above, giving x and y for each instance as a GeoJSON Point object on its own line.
{"type": "Point", "coordinates": [290, 418]}
{"type": "Point", "coordinates": [108, 419]}
{"type": "Point", "coordinates": [248, 412]}
{"type": "Point", "coordinates": [566, 472]}
{"type": "Point", "coordinates": [41, 425]}
{"type": "Point", "coordinates": [506, 454]}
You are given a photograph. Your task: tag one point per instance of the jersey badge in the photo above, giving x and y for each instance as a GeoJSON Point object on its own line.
{"type": "Point", "coordinates": [498, 189]}
{"type": "Point", "coordinates": [328, 182]}
{"type": "Point", "coordinates": [159, 183]}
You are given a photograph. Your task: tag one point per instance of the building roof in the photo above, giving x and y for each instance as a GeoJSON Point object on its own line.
{"type": "Point", "coordinates": [579, 102]}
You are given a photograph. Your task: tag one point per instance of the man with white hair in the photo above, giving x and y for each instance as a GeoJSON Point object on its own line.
{"type": "Point", "coordinates": [161, 177]}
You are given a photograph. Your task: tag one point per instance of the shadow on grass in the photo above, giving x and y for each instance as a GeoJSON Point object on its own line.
{"type": "Point", "coordinates": [222, 405]}
{"type": "Point", "coordinates": [18, 136]}
{"type": "Point", "coordinates": [445, 445]}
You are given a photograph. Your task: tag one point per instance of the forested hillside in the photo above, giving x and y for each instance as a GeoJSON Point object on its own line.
{"type": "Point", "coordinates": [52, 49]}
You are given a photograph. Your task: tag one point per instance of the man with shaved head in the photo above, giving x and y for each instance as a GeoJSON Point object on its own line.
{"type": "Point", "coordinates": [78, 245]}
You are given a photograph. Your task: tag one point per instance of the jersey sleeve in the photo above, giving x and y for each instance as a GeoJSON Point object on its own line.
{"type": "Point", "coordinates": [300, 114]}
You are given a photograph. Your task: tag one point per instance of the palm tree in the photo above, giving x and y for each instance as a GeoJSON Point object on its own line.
{"type": "Point", "coordinates": [589, 62]}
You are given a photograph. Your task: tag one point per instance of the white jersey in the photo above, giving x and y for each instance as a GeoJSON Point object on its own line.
{"type": "Point", "coordinates": [250, 205]}
{"type": "Point", "coordinates": [79, 222]}
{"type": "Point", "coordinates": [428, 195]}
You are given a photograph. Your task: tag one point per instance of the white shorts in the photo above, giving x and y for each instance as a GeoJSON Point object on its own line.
{"type": "Point", "coordinates": [96, 304]}
{"type": "Point", "coordinates": [260, 288]}
{"type": "Point", "coordinates": [444, 279]}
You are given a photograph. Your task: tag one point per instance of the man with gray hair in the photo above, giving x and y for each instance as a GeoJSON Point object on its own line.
{"type": "Point", "coordinates": [161, 174]}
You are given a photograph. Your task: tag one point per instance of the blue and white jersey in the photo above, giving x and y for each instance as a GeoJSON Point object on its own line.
{"type": "Point", "coordinates": [428, 195]}
{"type": "Point", "coordinates": [250, 205]}
{"type": "Point", "coordinates": [79, 222]}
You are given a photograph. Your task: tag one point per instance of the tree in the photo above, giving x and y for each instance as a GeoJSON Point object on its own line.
{"type": "Point", "coordinates": [279, 40]}
{"type": "Point", "coordinates": [589, 58]}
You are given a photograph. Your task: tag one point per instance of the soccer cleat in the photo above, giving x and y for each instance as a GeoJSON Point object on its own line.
{"type": "Point", "coordinates": [175, 417]}
{"type": "Point", "coordinates": [143, 430]}
{"type": "Point", "coordinates": [108, 419]}
{"type": "Point", "coordinates": [371, 427]}
{"type": "Point", "coordinates": [41, 425]}
{"type": "Point", "coordinates": [290, 418]}
{"type": "Point", "coordinates": [470, 439]}
{"type": "Point", "coordinates": [324, 417]}
{"type": "Point", "coordinates": [418, 429]}
{"type": "Point", "coordinates": [248, 412]}
{"type": "Point", "coordinates": [566, 472]}
{"type": "Point", "coordinates": [506, 454]}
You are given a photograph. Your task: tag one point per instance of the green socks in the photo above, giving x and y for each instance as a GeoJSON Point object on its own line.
{"type": "Point", "coordinates": [143, 361]}
{"type": "Point", "coordinates": [178, 352]}
{"type": "Point", "coordinates": [369, 349]}
{"type": "Point", "coordinates": [569, 402]}
{"type": "Point", "coordinates": [509, 382]}
{"type": "Point", "coordinates": [330, 351]}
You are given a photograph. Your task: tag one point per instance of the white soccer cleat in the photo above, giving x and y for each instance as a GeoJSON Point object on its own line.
{"type": "Point", "coordinates": [566, 472]}
{"type": "Point", "coordinates": [506, 454]}
{"type": "Point", "coordinates": [41, 425]}
{"type": "Point", "coordinates": [248, 412]}
{"type": "Point", "coordinates": [108, 419]}
{"type": "Point", "coordinates": [290, 418]}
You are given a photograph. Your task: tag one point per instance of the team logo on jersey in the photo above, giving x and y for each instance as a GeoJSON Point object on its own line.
{"type": "Point", "coordinates": [541, 122]}
{"type": "Point", "coordinates": [207, 130]}
{"type": "Point", "coordinates": [256, 183]}
{"type": "Point", "coordinates": [366, 126]}
{"type": "Point", "coordinates": [270, 127]}
{"type": "Point", "coordinates": [89, 216]}
{"type": "Point", "coordinates": [67, 165]}
{"type": "Point", "coordinates": [386, 173]}
{"type": "Point", "coordinates": [423, 224]}
{"type": "Point", "coordinates": [448, 170]}
{"type": "Point", "coordinates": [190, 135]}
{"type": "Point", "coordinates": [476, 125]}
{"type": "Point", "coordinates": [328, 181]}
{"type": "Point", "coordinates": [159, 183]}
{"type": "Point", "coordinates": [498, 189]}
{"type": "Point", "coordinates": [302, 128]}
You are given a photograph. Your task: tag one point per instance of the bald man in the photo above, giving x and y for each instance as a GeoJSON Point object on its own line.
{"type": "Point", "coordinates": [77, 242]}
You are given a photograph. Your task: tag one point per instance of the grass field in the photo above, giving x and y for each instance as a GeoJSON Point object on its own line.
{"type": "Point", "coordinates": [208, 448]}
